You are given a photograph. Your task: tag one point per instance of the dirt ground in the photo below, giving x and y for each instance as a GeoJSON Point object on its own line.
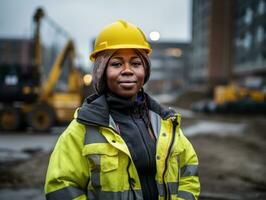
{"type": "Point", "coordinates": [234, 166]}
{"type": "Point", "coordinates": [231, 166]}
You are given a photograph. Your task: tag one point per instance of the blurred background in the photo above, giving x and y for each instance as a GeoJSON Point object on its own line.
{"type": "Point", "coordinates": [208, 63]}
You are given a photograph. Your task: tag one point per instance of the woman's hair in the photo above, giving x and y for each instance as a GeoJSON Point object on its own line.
{"type": "Point", "coordinates": [101, 62]}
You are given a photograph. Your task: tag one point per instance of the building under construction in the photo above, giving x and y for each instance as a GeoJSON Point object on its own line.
{"type": "Point", "coordinates": [228, 40]}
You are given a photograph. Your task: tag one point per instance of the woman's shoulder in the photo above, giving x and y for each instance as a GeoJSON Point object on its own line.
{"type": "Point", "coordinates": [74, 130]}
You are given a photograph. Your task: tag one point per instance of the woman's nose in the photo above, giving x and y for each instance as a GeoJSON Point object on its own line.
{"type": "Point", "coordinates": [127, 69]}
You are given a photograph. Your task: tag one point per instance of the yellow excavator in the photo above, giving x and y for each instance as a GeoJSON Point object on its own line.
{"type": "Point", "coordinates": [47, 106]}
{"type": "Point", "coordinates": [55, 106]}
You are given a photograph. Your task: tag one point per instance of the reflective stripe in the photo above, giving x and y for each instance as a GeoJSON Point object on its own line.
{"type": "Point", "coordinates": [127, 194]}
{"type": "Point", "coordinates": [95, 159]}
{"type": "Point", "coordinates": [93, 135]}
{"type": "Point", "coordinates": [185, 195]}
{"type": "Point", "coordinates": [66, 193]}
{"type": "Point", "coordinates": [138, 195]}
{"type": "Point", "coordinates": [91, 194]}
{"type": "Point", "coordinates": [160, 188]}
{"type": "Point", "coordinates": [95, 178]}
{"type": "Point", "coordinates": [189, 170]}
{"type": "Point", "coordinates": [172, 187]}
{"type": "Point", "coordinates": [95, 173]}
{"type": "Point", "coordinates": [155, 122]}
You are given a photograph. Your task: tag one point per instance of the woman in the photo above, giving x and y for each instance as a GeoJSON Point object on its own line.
{"type": "Point", "coordinates": [122, 144]}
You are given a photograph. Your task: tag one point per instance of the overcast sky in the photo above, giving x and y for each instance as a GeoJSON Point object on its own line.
{"type": "Point", "coordinates": [83, 19]}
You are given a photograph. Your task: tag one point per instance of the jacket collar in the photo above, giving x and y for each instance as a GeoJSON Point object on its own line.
{"type": "Point", "coordinates": [95, 110]}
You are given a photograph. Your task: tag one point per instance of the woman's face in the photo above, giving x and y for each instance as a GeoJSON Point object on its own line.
{"type": "Point", "coordinates": [125, 73]}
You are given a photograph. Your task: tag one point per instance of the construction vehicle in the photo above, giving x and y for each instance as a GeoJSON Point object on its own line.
{"type": "Point", "coordinates": [28, 100]}
{"type": "Point", "coordinates": [245, 97]}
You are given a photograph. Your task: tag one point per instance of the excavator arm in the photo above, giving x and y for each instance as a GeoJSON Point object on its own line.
{"type": "Point", "coordinates": [56, 70]}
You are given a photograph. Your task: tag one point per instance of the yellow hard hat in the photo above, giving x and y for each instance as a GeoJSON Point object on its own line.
{"type": "Point", "coordinates": [120, 35]}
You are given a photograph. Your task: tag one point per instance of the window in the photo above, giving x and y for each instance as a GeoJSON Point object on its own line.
{"type": "Point", "coordinates": [248, 16]}
{"type": "Point", "coordinates": [261, 7]}
{"type": "Point", "coordinates": [260, 34]}
{"type": "Point", "coordinates": [247, 40]}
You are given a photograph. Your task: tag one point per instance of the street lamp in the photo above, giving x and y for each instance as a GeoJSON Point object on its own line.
{"type": "Point", "coordinates": [154, 35]}
{"type": "Point", "coordinates": [87, 79]}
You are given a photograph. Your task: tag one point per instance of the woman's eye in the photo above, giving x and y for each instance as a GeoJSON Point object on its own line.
{"type": "Point", "coordinates": [116, 64]}
{"type": "Point", "coordinates": [136, 64]}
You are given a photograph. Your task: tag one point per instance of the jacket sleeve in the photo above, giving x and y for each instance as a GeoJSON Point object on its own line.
{"type": "Point", "coordinates": [189, 185]}
{"type": "Point", "coordinates": [68, 174]}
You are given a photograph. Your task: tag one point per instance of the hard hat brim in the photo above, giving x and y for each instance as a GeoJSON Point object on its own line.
{"type": "Point", "coordinates": [147, 50]}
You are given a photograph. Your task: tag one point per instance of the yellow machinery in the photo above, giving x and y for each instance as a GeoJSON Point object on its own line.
{"type": "Point", "coordinates": [54, 106]}
{"type": "Point", "coordinates": [50, 106]}
{"type": "Point", "coordinates": [235, 98]}
{"type": "Point", "coordinates": [234, 93]}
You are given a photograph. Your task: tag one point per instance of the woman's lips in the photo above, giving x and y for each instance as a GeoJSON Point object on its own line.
{"type": "Point", "coordinates": [127, 84]}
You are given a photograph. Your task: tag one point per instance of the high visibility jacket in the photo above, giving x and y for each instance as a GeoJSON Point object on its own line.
{"type": "Point", "coordinates": [91, 161]}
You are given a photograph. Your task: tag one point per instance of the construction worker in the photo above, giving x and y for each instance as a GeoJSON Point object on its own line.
{"type": "Point", "coordinates": [122, 144]}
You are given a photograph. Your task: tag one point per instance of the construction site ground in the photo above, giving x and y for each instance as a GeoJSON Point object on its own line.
{"type": "Point", "coordinates": [231, 150]}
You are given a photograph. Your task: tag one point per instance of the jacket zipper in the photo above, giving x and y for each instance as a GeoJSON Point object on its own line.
{"type": "Point", "coordinates": [166, 189]}
{"type": "Point", "coordinates": [131, 181]}
{"type": "Point", "coordinates": [179, 171]}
